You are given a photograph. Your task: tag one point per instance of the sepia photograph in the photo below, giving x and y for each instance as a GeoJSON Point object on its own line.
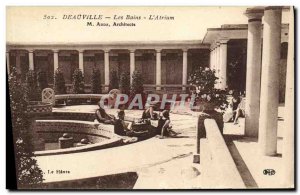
{"type": "Point", "coordinates": [151, 97]}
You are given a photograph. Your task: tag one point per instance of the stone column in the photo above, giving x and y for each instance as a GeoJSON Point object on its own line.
{"type": "Point", "coordinates": [289, 127]}
{"type": "Point", "coordinates": [106, 68]}
{"type": "Point", "coordinates": [158, 68]}
{"type": "Point", "coordinates": [253, 71]}
{"type": "Point", "coordinates": [270, 81]}
{"type": "Point", "coordinates": [31, 61]}
{"type": "Point", "coordinates": [55, 59]}
{"type": "Point", "coordinates": [223, 64]}
{"type": "Point", "coordinates": [18, 62]}
{"type": "Point", "coordinates": [215, 59]}
{"type": "Point", "coordinates": [218, 64]}
{"type": "Point", "coordinates": [210, 58]}
{"type": "Point", "coordinates": [215, 64]}
{"type": "Point", "coordinates": [80, 57]}
{"type": "Point", "coordinates": [132, 64]}
{"type": "Point", "coordinates": [184, 68]}
{"type": "Point", "coordinates": [7, 62]}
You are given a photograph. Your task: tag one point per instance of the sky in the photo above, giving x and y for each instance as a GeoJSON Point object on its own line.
{"type": "Point", "coordinates": [26, 24]}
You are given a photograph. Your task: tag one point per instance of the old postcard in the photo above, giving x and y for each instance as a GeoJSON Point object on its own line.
{"type": "Point", "coordinates": [151, 97]}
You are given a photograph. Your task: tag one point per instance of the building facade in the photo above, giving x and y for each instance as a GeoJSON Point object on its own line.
{"type": "Point", "coordinates": [162, 64]}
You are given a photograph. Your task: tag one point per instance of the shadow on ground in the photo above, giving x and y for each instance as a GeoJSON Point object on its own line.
{"type": "Point", "coordinates": [238, 160]}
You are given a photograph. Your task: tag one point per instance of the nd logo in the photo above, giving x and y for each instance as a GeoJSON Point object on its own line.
{"type": "Point", "coordinates": [269, 172]}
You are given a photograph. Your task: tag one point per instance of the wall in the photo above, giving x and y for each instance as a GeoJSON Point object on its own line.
{"type": "Point", "coordinates": [68, 62]}
{"type": "Point", "coordinates": [145, 62]}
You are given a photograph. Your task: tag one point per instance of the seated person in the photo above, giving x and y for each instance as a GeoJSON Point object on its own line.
{"type": "Point", "coordinates": [103, 117]}
{"type": "Point", "coordinates": [149, 113]}
{"type": "Point", "coordinates": [240, 111]}
{"type": "Point", "coordinates": [232, 108]}
{"type": "Point", "coordinates": [124, 129]}
{"type": "Point", "coordinates": [164, 128]}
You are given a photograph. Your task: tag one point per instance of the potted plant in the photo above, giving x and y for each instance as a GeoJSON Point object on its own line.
{"type": "Point", "coordinates": [32, 91]}
{"type": "Point", "coordinates": [59, 82]}
{"type": "Point", "coordinates": [96, 82]}
{"type": "Point", "coordinates": [125, 83]}
{"type": "Point", "coordinates": [42, 80]}
{"type": "Point", "coordinates": [137, 86]}
{"type": "Point", "coordinates": [114, 80]}
{"type": "Point", "coordinates": [208, 98]}
{"type": "Point", "coordinates": [78, 82]}
{"type": "Point", "coordinates": [212, 102]}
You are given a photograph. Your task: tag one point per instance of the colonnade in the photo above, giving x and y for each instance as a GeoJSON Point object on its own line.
{"type": "Point", "coordinates": [107, 65]}
{"type": "Point", "coordinates": [218, 61]}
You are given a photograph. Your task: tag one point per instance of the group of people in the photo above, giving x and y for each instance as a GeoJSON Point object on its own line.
{"type": "Point", "coordinates": [124, 128]}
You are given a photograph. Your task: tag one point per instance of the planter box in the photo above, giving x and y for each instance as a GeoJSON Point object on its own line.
{"type": "Point", "coordinates": [35, 107]}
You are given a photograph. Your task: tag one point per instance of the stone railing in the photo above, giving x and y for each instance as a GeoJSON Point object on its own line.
{"type": "Point", "coordinates": [165, 88]}
{"type": "Point", "coordinates": [178, 88]}
{"type": "Point", "coordinates": [221, 156]}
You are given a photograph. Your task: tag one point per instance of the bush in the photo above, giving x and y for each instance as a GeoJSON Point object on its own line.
{"type": "Point", "coordinates": [78, 82]}
{"type": "Point", "coordinates": [59, 82]}
{"type": "Point", "coordinates": [204, 80]}
{"type": "Point", "coordinates": [114, 80]}
{"type": "Point", "coordinates": [32, 91]}
{"type": "Point", "coordinates": [137, 86]}
{"type": "Point", "coordinates": [42, 80]}
{"type": "Point", "coordinates": [96, 81]}
{"type": "Point", "coordinates": [27, 170]}
{"type": "Point", "coordinates": [125, 83]}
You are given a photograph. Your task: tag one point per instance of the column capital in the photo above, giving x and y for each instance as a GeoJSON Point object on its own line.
{"type": "Point", "coordinates": [106, 50]}
{"type": "Point", "coordinates": [30, 50]}
{"type": "Point", "coordinates": [185, 50]}
{"type": "Point", "coordinates": [254, 14]}
{"type": "Point", "coordinates": [132, 50]}
{"type": "Point", "coordinates": [214, 45]}
{"type": "Point", "coordinates": [55, 50]}
{"type": "Point", "coordinates": [158, 50]}
{"type": "Point", "coordinates": [223, 41]}
{"type": "Point", "coordinates": [80, 50]}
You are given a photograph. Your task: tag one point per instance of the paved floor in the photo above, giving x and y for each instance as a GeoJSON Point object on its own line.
{"type": "Point", "coordinates": [250, 162]}
{"type": "Point", "coordinates": [167, 163]}
{"type": "Point", "coordinates": [158, 160]}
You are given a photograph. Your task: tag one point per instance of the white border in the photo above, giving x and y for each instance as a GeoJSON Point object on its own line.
{"type": "Point", "coordinates": [5, 3]}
